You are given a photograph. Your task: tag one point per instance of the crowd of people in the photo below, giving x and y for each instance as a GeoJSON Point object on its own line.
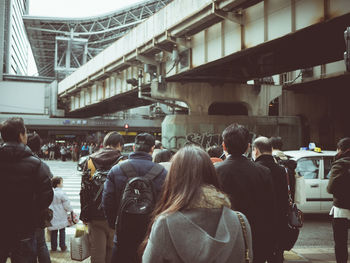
{"type": "Point", "coordinates": [71, 151]}
{"type": "Point", "coordinates": [158, 206]}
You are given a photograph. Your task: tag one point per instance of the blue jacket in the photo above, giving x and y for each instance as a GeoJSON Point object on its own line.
{"type": "Point", "coordinates": [116, 180]}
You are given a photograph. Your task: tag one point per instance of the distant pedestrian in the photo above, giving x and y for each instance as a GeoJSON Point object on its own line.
{"type": "Point", "coordinates": [158, 146]}
{"type": "Point", "coordinates": [25, 191]}
{"type": "Point", "coordinates": [60, 207]}
{"type": "Point", "coordinates": [163, 158]}
{"type": "Point", "coordinates": [262, 154]}
{"type": "Point", "coordinates": [193, 220]}
{"type": "Point", "coordinates": [215, 152]}
{"type": "Point", "coordinates": [339, 185]}
{"type": "Point", "coordinates": [51, 151]}
{"type": "Point", "coordinates": [131, 231]}
{"type": "Point", "coordinates": [94, 175]}
{"type": "Point", "coordinates": [63, 152]}
{"type": "Point", "coordinates": [249, 186]}
{"type": "Point", "coordinates": [84, 149]}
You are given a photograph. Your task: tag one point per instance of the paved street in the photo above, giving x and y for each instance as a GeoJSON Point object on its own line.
{"type": "Point", "coordinates": [315, 242]}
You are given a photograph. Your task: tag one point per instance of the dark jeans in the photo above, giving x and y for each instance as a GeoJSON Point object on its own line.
{"type": "Point", "coordinates": [23, 251]}
{"type": "Point", "coordinates": [43, 254]}
{"type": "Point", "coordinates": [340, 234]}
{"type": "Point", "coordinates": [62, 239]}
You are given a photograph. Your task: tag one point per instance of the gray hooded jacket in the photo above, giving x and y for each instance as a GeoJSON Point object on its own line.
{"type": "Point", "coordinates": [198, 235]}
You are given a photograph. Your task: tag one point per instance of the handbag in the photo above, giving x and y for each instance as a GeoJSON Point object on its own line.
{"type": "Point", "coordinates": [294, 221]}
{"type": "Point", "coordinates": [79, 246]}
{"type": "Point", "coordinates": [72, 218]}
{"type": "Point", "coordinates": [247, 258]}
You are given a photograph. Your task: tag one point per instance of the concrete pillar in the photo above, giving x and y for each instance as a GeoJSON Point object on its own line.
{"type": "Point", "coordinates": [199, 96]}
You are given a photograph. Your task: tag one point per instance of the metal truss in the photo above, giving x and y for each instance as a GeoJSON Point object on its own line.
{"type": "Point", "coordinates": [57, 58]}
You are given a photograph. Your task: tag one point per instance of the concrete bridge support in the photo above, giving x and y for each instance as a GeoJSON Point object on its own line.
{"type": "Point", "coordinates": [212, 107]}
{"type": "Point", "coordinates": [201, 98]}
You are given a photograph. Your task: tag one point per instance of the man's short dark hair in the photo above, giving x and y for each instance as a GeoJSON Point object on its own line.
{"type": "Point", "coordinates": [214, 151]}
{"type": "Point", "coordinates": [113, 139]}
{"type": "Point", "coordinates": [144, 142]}
{"type": "Point", "coordinates": [344, 144]}
{"type": "Point", "coordinates": [34, 142]}
{"type": "Point", "coordinates": [12, 128]}
{"type": "Point", "coordinates": [236, 138]}
{"type": "Point", "coordinates": [276, 143]}
{"type": "Point", "coordinates": [263, 145]}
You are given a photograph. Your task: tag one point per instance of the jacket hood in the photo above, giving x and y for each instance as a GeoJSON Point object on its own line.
{"type": "Point", "coordinates": [105, 158]}
{"type": "Point", "coordinates": [12, 152]}
{"type": "Point", "coordinates": [200, 246]}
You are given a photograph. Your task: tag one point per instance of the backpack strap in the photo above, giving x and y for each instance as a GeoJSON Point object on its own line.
{"type": "Point", "coordinates": [156, 170]}
{"type": "Point", "coordinates": [91, 167]}
{"type": "Point", "coordinates": [128, 169]}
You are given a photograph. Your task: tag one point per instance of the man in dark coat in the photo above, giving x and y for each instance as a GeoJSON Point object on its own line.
{"type": "Point", "coordinates": [339, 185]}
{"type": "Point", "coordinates": [141, 162]}
{"type": "Point", "coordinates": [262, 153]}
{"type": "Point", "coordinates": [249, 186]}
{"type": "Point", "coordinates": [25, 191]}
{"type": "Point", "coordinates": [100, 232]}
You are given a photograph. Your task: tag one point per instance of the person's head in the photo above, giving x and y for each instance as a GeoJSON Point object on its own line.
{"type": "Point", "coordinates": [113, 140]}
{"type": "Point", "coordinates": [190, 169]}
{"type": "Point", "coordinates": [236, 139]}
{"type": "Point", "coordinates": [57, 181]}
{"type": "Point", "coordinates": [163, 156]}
{"type": "Point", "coordinates": [276, 143]}
{"type": "Point", "coordinates": [144, 142]}
{"type": "Point", "coordinates": [13, 130]}
{"type": "Point", "coordinates": [343, 145]}
{"type": "Point", "coordinates": [214, 151]}
{"type": "Point", "coordinates": [34, 142]}
{"type": "Point", "coordinates": [158, 145]}
{"type": "Point", "coordinates": [261, 145]}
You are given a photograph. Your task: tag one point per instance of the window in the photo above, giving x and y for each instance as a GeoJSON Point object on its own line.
{"type": "Point", "coordinates": [327, 161]}
{"type": "Point", "coordinates": [308, 168]}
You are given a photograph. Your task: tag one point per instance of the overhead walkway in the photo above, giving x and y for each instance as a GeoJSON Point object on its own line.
{"type": "Point", "coordinates": [209, 41]}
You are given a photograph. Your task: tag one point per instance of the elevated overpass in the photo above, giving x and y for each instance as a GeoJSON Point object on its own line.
{"type": "Point", "coordinates": [211, 41]}
{"type": "Point", "coordinates": [204, 52]}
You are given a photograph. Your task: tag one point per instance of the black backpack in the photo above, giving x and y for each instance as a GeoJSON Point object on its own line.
{"type": "Point", "coordinates": [136, 205]}
{"type": "Point", "coordinates": [92, 194]}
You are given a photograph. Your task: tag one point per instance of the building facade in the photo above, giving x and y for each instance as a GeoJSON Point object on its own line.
{"type": "Point", "coordinates": [14, 47]}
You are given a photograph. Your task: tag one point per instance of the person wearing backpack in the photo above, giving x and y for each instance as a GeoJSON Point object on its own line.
{"type": "Point", "coordinates": [94, 175]}
{"type": "Point", "coordinates": [129, 196]}
{"type": "Point", "coordinates": [193, 221]}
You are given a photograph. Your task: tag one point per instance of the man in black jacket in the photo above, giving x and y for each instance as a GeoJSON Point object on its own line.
{"type": "Point", "coordinates": [250, 188]}
{"type": "Point", "coordinates": [140, 161]}
{"type": "Point", "coordinates": [262, 153]}
{"type": "Point", "coordinates": [25, 191]}
{"type": "Point", "coordinates": [339, 185]}
{"type": "Point", "coordinates": [101, 234]}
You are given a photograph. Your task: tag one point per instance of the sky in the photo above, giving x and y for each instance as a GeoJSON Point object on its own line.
{"type": "Point", "coordinates": [76, 8]}
{"type": "Point", "coordinates": [72, 8]}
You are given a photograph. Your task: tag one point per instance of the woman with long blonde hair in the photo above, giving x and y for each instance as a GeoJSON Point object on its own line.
{"type": "Point", "coordinates": [193, 221]}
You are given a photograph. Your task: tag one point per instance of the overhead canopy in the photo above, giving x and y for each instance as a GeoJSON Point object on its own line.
{"type": "Point", "coordinates": [98, 31]}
